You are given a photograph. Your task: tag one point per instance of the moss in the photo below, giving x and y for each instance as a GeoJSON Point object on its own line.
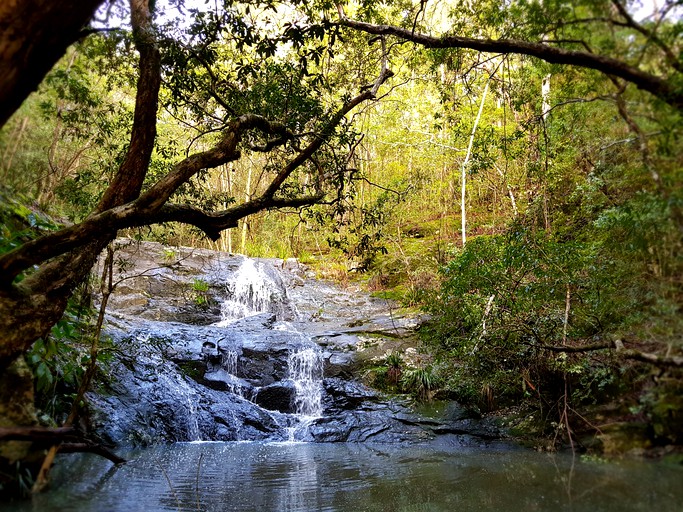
{"type": "Point", "coordinates": [193, 369]}
{"type": "Point", "coordinates": [622, 438]}
{"type": "Point", "coordinates": [665, 412]}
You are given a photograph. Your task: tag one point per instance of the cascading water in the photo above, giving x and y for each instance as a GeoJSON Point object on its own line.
{"type": "Point", "coordinates": [187, 400]}
{"type": "Point", "coordinates": [255, 290]}
{"type": "Point", "coordinates": [229, 369]}
{"type": "Point", "coordinates": [251, 292]}
{"type": "Point", "coordinates": [229, 361]}
{"type": "Point", "coordinates": [306, 371]}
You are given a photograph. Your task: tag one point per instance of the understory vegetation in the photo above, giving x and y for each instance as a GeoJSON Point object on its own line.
{"type": "Point", "coordinates": [533, 209]}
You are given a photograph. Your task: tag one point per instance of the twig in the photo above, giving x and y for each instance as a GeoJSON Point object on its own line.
{"type": "Point", "coordinates": [170, 485]}
{"type": "Point", "coordinates": [199, 468]}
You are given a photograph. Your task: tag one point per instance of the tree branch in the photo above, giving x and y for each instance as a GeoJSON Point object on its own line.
{"type": "Point", "coordinates": [130, 176]}
{"type": "Point", "coordinates": [148, 207]}
{"type": "Point", "coordinates": [68, 440]}
{"type": "Point", "coordinates": [618, 345]}
{"type": "Point", "coordinates": [650, 35]}
{"type": "Point", "coordinates": [568, 349]}
{"type": "Point", "coordinates": [653, 84]}
{"type": "Point", "coordinates": [212, 223]}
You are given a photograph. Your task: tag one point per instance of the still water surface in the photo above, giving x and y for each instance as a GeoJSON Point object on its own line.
{"type": "Point", "coordinates": [350, 477]}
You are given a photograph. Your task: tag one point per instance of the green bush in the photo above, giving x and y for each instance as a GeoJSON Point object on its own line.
{"type": "Point", "coordinates": [420, 382]}
{"type": "Point", "coordinates": [506, 298]}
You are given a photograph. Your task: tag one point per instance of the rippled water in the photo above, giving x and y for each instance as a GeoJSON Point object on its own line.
{"type": "Point", "coordinates": [345, 477]}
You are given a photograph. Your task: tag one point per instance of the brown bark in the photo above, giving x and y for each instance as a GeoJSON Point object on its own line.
{"type": "Point", "coordinates": [127, 183]}
{"type": "Point", "coordinates": [663, 89]}
{"type": "Point", "coordinates": [29, 309]}
{"type": "Point", "coordinates": [67, 439]}
{"type": "Point", "coordinates": [34, 34]}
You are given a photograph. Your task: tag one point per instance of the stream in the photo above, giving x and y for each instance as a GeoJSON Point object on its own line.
{"type": "Point", "coordinates": [238, 385]}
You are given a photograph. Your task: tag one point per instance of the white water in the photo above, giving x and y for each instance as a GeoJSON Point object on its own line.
{"type": "Point", "coordinates": [306, 372]}
{"type": "Point", "coordinates": [229, 361]}
{"type": "Point", "coordinates": [229, 365]}
{"type": "Point", "coordinates": [251, 292]}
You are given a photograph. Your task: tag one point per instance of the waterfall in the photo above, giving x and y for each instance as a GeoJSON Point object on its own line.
{"type": "Point", "coordinates": [226, 372]}
{"type": "Point", "coordinates": [187, 400]}
{"type": "Point", "coordinates": [229, 361]}
{"type": "Point", "coordinates": [251, 292]}
{"type": "Point", "coordinates": [229, 366]}
{"type": "Point", "coordinates": [306, 372]}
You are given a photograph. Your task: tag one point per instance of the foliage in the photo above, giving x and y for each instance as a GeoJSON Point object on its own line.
{"type": "Point", "coordinates": [60, 360]}
{"type": "Point", "coordinates": [200, 292]}
{"type": "Point", "coordinates": [420, 382]}
{"type": "Point", "coordinates": [507, 300]}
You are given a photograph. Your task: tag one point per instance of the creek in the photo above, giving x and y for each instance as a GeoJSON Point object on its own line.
{"type": "Point", "coordinates": [238, 385]}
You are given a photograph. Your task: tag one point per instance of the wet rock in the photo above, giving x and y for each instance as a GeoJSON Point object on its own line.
{"type": "Point", "coordinates": [221, 380]}
{"type": "Point", "coordinates": [278, 396]}
{"type": "Point", "coordinates": [184, 377]}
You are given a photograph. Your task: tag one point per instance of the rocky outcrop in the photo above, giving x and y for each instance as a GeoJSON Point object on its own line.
{"type": "Point", "coordinates": [209, 377]}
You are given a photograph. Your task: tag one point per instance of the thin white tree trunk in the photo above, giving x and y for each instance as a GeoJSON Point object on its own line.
{"type": "Point", "coordinates": [545, 96]}
{"type": "Point", "coordinates": [567, 308]}
{"type": "Point", "coordinates": [463, 179]}
{"type": "Point", "coordinates": [245, 225]}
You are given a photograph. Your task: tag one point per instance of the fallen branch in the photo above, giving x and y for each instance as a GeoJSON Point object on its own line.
{"type": "Point", "coordinates": [66, 439]}
{"type": "Point", "coordinates": [39, 434]}
{"type": "Point", "coordinates": [581, 348]}
{"type": "Point", "coordinates": [646, 357]}
{"type": "Point", "coordinates": [618, 345]}
{"type": "Point", "coordinates": [97, 449]}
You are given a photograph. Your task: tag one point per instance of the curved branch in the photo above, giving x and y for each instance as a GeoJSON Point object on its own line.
{"type": "Point", "coordinates": [212, 223]}
{"type": "Point", "coordinates": [148, 207]}
{"type": "Point", "coordinates": [130, 176]}
{"type": "Point", "coordinates": [653, 84]}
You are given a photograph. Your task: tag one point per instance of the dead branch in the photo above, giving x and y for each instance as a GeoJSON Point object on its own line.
{"type": "Point", "coordinates": [618, 346]}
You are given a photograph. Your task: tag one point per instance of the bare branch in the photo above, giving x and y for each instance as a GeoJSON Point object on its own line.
{"type": "Point", "coordinates": [636, 355]}
{"type": "Point", "coordinates": [68, 440]}
{"type": "Point", "coordinates": [212, 223]}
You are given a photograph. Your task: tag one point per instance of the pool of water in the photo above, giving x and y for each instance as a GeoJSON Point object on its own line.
{"type": "Point", "coordinates": [351, 477]}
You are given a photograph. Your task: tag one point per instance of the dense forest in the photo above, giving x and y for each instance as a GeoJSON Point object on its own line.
{"type": "Point", "coordinates": [512, 168]}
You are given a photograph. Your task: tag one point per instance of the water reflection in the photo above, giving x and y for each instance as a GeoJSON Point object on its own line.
{"type": "Point", "coordinates": [319, 477]}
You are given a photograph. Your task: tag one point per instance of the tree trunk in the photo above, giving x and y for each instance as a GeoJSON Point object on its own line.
{"type": "Point", "coordinates": [30, 308]}
{"type": "Point", "coordinates": [34, 34]}
{"type": "Point", "coordinates": [463, 177]}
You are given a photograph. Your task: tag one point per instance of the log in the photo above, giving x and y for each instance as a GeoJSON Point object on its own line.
{"type": "Point", "coordinates": [66, 439]}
